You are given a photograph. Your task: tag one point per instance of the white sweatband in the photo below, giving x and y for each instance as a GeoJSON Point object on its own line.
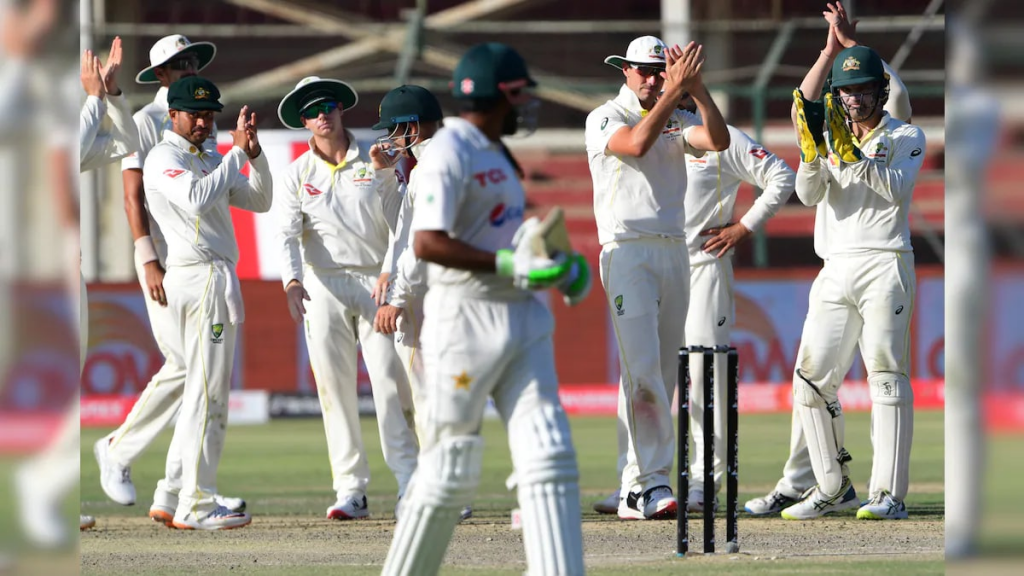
{"type": "Point", "coordinates": [145, 250]}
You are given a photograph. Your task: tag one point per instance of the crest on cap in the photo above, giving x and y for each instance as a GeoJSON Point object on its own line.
{"type": "Point", "coordinates": [466, 86]}
{"type": "Point", "coordinates": [658, 51]}
{"type": "Point", "coordinates": [851, 63]}
{"type": "Point", "coordinates": [201, 93]}
{"type": "Point", "coordinates": [180, 42]}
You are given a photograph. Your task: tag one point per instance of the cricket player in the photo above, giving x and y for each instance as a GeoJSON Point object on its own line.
{"type": "Point", "coordinates": [637, 145]}
{"type": "Point", "coordinates": [798, 475]}
{"type": "Point", "coordinates": [190, 187]}
{"type": "Point", "coordinates": [171, 58]}
{"type": "Point", "coordinates": [335, 207]}
{"type": "Point", "coordinates": [485, 333]}
{"type": "Point", "coordinates": [858, 166]}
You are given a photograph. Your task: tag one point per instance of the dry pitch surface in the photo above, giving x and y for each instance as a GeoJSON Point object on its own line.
{"type": "Point", "coordinates": [287, 485]}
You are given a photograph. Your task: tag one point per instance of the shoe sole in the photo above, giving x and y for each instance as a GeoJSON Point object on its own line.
{"type": "Point", "coordinates": [183, 526]}
{"type": "Point", "coordinates": [86, 526]}
{"type": "Point", "coordinates": [339, 515]}
{"type": "Point", "coordinates": [669, 512]}
{"type": "Point", "coordinates": [162, 517]}
{"type": "Point", "coordinates": [869, 515]}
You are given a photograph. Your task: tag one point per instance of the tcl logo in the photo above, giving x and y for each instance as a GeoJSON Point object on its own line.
{"type": "Point", "coordinates": [311, 190]}
{"type": "Point", "coordinates": [494, 176]}
{"type": "Point", "coordinates": [501, 214]}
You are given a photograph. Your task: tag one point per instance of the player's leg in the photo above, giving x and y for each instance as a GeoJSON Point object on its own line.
{"type": "Point", "coordinates": [330, 329]}
{"type": "Point", "coordinates": [407, 339]}
{"type": "Point", "coordinates": [709, 322]}
{"type": "Point", "coordinates": [542, 450]}
{"type": "Point", "coordinates": [888, 288]}
{"type": "Point", "coordinates": [632, 288]}
{"type": "Point", "coordinates": [208, 338]}
{"type": "Point", "coordinates": [461, 367]}
{"type": "Point", "coordinates": [392, 396]}
{"type": "Point", "coordinates": [832, 326]}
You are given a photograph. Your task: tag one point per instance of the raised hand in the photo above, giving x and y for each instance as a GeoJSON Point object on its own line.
{"type": "Point", "coordinates": [380, 158]}
{"type": "Point", "coordinates": [240, 135]}
{"type": "Point", "coordinates": [109, 72]}
{"type": "Point", "coordinates": [683, 66]}
{"type": "Point", "coordinates": [840, 25]}
{"type": "Point", "coordinates": [92, 82]}
{"type": "Point", "coordinates": [254, 149]}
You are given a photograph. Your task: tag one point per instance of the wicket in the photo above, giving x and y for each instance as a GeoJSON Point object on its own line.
{"type": "Point", "coordinates": [732, 448]}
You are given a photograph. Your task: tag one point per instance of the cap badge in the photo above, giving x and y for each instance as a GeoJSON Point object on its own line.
{"type": "Point", "coordinates": [851, 63]}
{"type": "Point", "coordinates": [466, 86]}
{"type": "Point", "coordinates": [201, 93]}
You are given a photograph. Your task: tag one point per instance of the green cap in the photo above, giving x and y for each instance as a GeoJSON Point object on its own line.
{"type": "Point", "coordinates": [486, 68]}
{"type": "Point", "coordinates": [857, 65]}
{"type": "Point", "coordinates": [194, 94]}
{"type": "Point", "coordinates": [408, 103]}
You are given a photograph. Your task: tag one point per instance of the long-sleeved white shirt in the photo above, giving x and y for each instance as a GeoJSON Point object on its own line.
{"type": "Point", "coordinates": [865, 205]}
{"type": "Point", "coordinates": [638, 197]}
{"type": "Point", "coordinates": [152, 120]}
{"type": "Point", "coordinates": [712, 183]}
{"type": "Point", "coordinates": [99, 146]}
{"type": "Point", "coordinates": [335, 216]}
{"type": "Point", "coordinates": [408, 274]}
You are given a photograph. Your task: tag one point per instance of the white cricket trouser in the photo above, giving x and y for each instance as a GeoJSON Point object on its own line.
{"type": "Point", "coordinates": [339, 315]}
{"type": "Point", "coordinates": [159, 402]}
{"type": "Point", "coordinates": [407, 345]}
{"type": "Point", "coordinates": [196, 299]}
{"type": "Point", "coordinates": [709, 322]}
{"type": "Point", "coordinates": [864, 298]}
{"type": "Point", "coordinates": [647, 283]}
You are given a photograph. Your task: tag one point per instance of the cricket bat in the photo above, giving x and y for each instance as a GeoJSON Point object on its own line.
{"type": "Point", "coordinates": [554, 233]}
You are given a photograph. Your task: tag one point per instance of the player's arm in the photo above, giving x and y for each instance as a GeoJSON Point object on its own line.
{"type": "Point", "coordinates": [385, 181]}
{"type": "Point", "coordinates": [289, 219]}
{"type": "Point", "coordinates": [713, 132]}
{"type": "Point", "coordinates": [255, 193]}
{"type": "Point", "coordinates": [758, 166]}
{"type": "Point", "coordinates": [898, 105]}
{"type": "Point", "coordinates": [125, 134]}
{"type": "Point", "coordinates": [894, 181]}
{"type": "Point", "coordinates": [811, 182]}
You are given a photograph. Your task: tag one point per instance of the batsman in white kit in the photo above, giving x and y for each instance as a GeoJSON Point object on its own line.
{"type": "Point", "coordinates": [190, 188]}
{"type": "Point", "coordinates": [335, 206]}
{"type": "Point", "coordinates": [798, 474]}
{"type": "Point", "coordinates": [637, 145]}
{"type": "Point", "coordinates": [486, 333]}
{"type": "Point", "coordinates": [171, 58]}
{"type": "Point", "coordinates": [858, 166]}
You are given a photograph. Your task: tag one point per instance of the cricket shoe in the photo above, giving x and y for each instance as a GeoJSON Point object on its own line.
{"type": "Point", "coordinates": [695, 501]}
{"type": "Point", "coordinates": [883, 506]}
{"type": "Point", "coordinates": [655, 504]}
{"type": "Point", "coordinates": [815, 504]}
{"type": "Point", "coordinates": [773, 503]}
{"type": "Point", "coordinates": [162, 514]}
{"type": "Point", "coordinates": [85, 522]}
{"type": "Point", "coordinates": [116, 480]}
{"type": "Point", "coordinates": [349, 508]}
{"type": "Point", "coordinates": [609, 505]}
{"type": "Point", "coordinates": [233, 504]}
{"type": "Point", "coordinates": [219, 519]}
{"type": "Point", "coordinates": [41, 518]}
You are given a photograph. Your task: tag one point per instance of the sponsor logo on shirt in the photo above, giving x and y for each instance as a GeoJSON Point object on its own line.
{"type": "Point", "coordinates": [759, 153]}
{"type": "Point", "coordinates": [173, 173]}
{"type": "Point", "coordinates": [494, 176]}
{"type": "Point", "coordinates": [311, 190]}
{"type": "Point", "coordinates": [501, 214]}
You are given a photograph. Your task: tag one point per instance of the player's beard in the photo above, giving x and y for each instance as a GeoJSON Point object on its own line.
{"type": "Point", "coordinates": [510, 124]}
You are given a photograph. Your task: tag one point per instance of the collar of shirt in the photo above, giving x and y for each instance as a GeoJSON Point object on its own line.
{"type": "Point", "coordinates": [350, 155]}
{"type": "Point", "coordinates": [874, 131]}
{"type": "Point", "coordinates": [628, 100]}
{"type": "Point", "coordinates": [472, 133]}
{"type": "Point", "coordinates": [161, 98]}
{"type": "Point", "coordinates": [173, 137]}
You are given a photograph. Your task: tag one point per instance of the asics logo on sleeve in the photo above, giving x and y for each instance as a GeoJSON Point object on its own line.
{"type": "Point", "coordinates": [501, 214]}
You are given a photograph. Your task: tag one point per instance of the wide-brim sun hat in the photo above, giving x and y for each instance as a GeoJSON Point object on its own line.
{"type": "Point", "coordinates": [646, 50]}
{"type": "Point", "coordinates": [168, 48]}
{"type": "Point", "coordinates": [313, 90]}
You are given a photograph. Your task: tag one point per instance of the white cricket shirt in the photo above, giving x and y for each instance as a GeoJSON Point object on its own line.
{"type": "Point", "coordinates": [408, 273]}
{"type": "Point", "coordinates": [866, 205]}
{"type": "Point", "coordinates": [465, 186]}
{"type": "Point", "coordinates": [638, 197]}
{"type": "Point", "coordinates": [713, 181]}
{"type": "Point", "coordinates": [335, 216]}
{"type": "Point", "coordinates": [99, 146]}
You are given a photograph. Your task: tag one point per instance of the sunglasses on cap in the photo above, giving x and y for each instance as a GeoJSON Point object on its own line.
{"type": "Point", "coordinates": [317, 109]}
{"type": "Point", "coordinates": [647, 71]}
{"type": "Point", "coordinates": [188, 62]}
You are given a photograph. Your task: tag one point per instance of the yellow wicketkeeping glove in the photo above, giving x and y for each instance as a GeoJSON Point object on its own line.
{"type": "Point", "coordinates": [839, 135]}
{"type": "Point", "coordinates": [810, 127]}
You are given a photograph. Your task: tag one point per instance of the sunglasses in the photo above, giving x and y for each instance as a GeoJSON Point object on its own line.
{"type": "Point", "coordinates": [647, 71]}
{"type": "Point", "coordinates": [184, 63]}
{"type": "Point", "coordinates": [317, 109]}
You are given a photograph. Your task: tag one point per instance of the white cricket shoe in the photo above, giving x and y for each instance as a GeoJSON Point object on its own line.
{"type": "Point", "coordinates": [773, 503]}
{"type": "Point", "coordinates": [41, 518]}
{"type": "Point", "coordinates": [466, 513]}
{"type": "Point", "coordinates": [655, 504]}
{"type": "Point", "coordinates": [883, 506]}
{"type": "Point", "coordinates": [116, 480]}
{"type": "Point", "coordinates": [609, 505]}
{"type": "Point", "coordinates": [85, 522]}
{"type": "Point", "coordinates": [815, 504]}
{"type": "Point", "coordinates": [220, 519]}
{"type": "Point", "coordinates": [349, 508]}
{"type": "Point", "coordinates": [233, 504]}
{"type": "Point", "coordinates": [162, 514]}
{"type": "Point", "coordinates": [695, 501]}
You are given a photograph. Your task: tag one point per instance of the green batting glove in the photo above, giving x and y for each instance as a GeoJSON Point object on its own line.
{"type": "Point", "coordinates": [576, 285]}
{"type": "Point", "coordinates": [839, 135]}
{"type": "Point", "coordinates": [531, 272]}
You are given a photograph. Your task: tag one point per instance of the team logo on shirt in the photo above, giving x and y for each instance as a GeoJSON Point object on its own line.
{"type": "Point", "coordinates": [759, 153]}
{"type": "Point", "coordinates": [462, 381]}
{"type": "Point", "coordinates": [173, 173]}
{"type": "Point", "coordinates": [618, 305]}
{"type": "Point", "coordinates": [311, 190]}
{"type": "Point", "coordinates": [501, 214]}
{"type": "Point", "coordinates": [672, 127]}
{"type": "Point", "coordinates": [362, 176]}
{"type": "Point", "coordinates": [218, 332]}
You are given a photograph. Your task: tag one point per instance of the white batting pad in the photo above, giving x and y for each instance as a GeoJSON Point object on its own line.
{"type": "Point", "coordinates": [892, 432]}
{"type": "Point", "coordinates": [444, 483]}
{"type": "Point", "coordinates": [823, 426]}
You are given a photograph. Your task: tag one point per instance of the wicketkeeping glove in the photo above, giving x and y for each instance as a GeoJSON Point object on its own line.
{"type": "Point", "coordinates": [810, 127]}
{"type": "Point", "coordinates": [839, 135]}
{"type": "Point", "coordinates": [576, 285]}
